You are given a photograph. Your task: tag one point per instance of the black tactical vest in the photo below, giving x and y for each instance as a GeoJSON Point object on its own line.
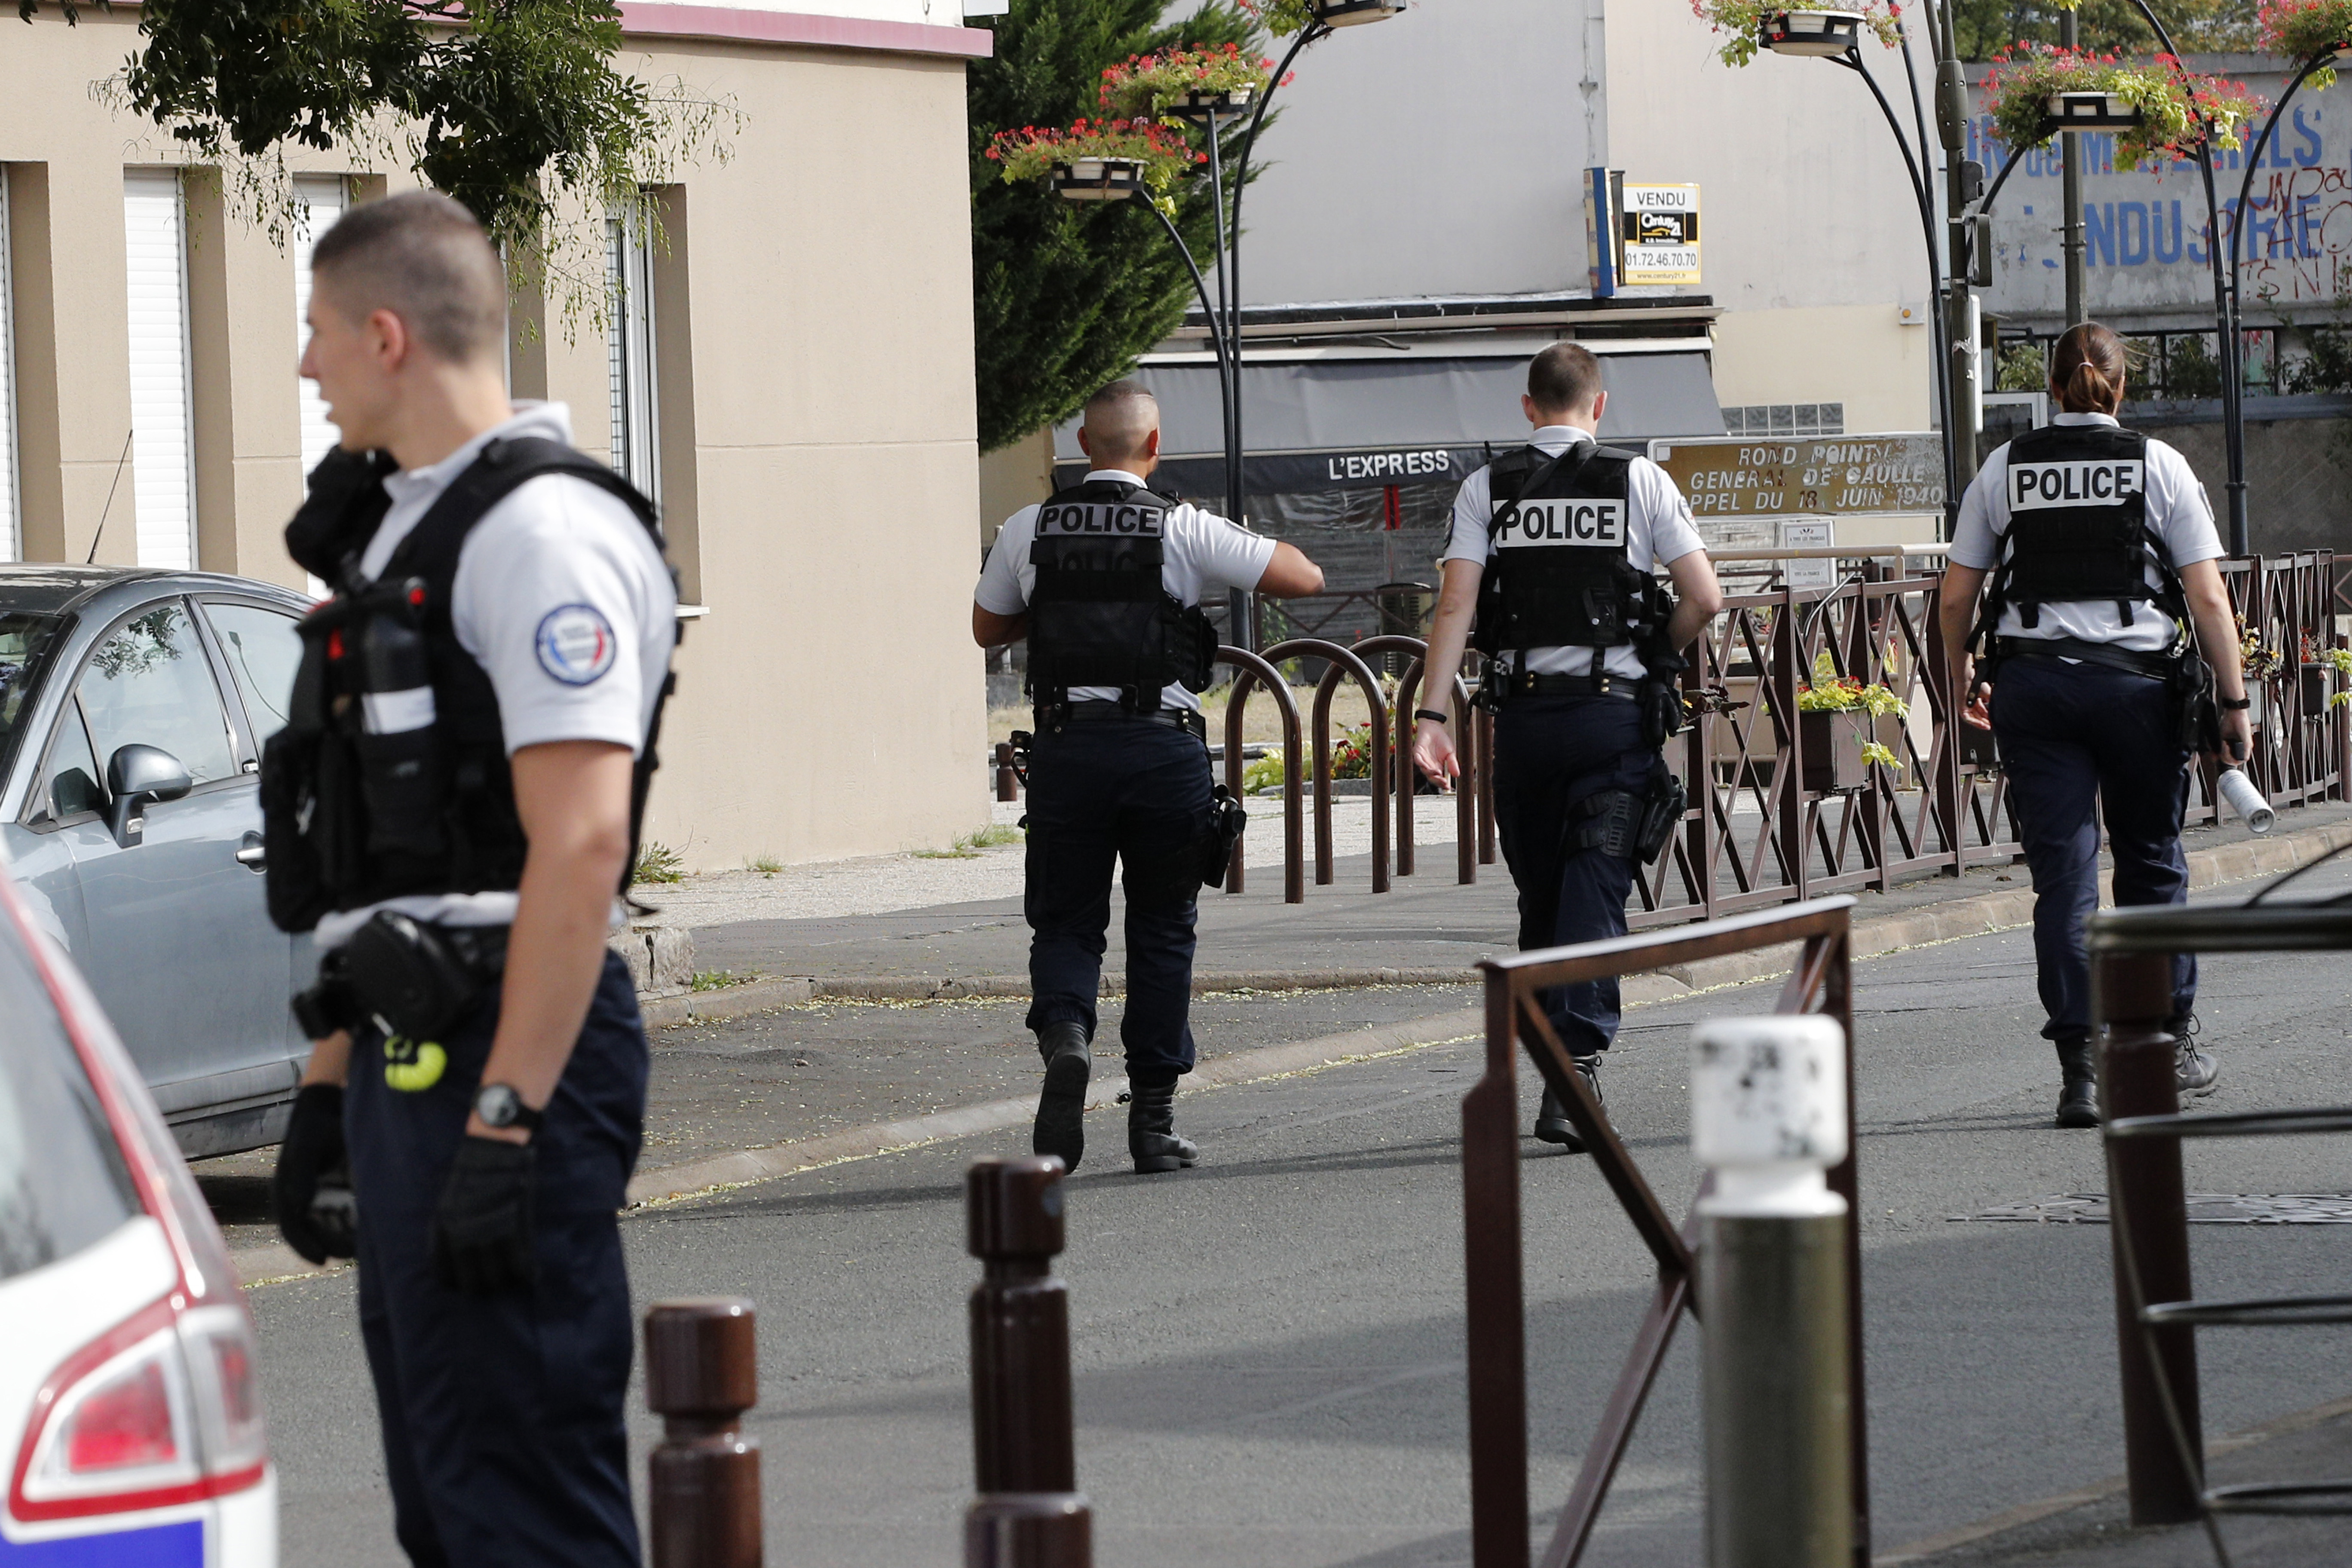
{"type": "Point", "coordinates": [352, 817]}
{"type": "Point", "coordinates": [1099, 614]}
{"type": "Point", "coordinates": [2078, 523]}
{"type": "Point", "coordinates": [1562, 575]}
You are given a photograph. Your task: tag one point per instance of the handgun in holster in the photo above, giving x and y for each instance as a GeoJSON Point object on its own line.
{"type": "Point", "coordinates": [416, 977]}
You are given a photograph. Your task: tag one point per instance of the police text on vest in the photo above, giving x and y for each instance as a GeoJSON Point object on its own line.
{"type": "Point", "coordinates": [2111, 483]}
{"type": "Point", "coordinates": [1103, 518]}
{"type": "Point", "coordinates": [1557, 522]}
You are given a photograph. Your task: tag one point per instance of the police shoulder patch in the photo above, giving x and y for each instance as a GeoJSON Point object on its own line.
{"type": "Point", "coordinates": [576, 645]}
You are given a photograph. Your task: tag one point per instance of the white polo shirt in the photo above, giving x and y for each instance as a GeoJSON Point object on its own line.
{"type": "Point", "coordinates": [561, 596]}
{"type": "Point", "coordinates": [1200, 552]}
{"type": "Point", "coordinates": [2178, 513]}
{"type": "Point", "coordinates": [1659, 533]}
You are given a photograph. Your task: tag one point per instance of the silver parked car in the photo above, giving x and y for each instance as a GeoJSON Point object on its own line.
{"type": "Point", "coordinates": [134, 704]}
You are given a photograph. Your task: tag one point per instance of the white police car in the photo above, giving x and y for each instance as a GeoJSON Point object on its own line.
{"type": "Point", "coordinates": [130, 1424]}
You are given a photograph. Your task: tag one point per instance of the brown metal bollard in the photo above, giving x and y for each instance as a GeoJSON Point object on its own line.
{"type": "Point", "coordinates": [1029, 1513]}
{"type": "Point", "coordinates": [2133, 999]}
{"type": "Point", "coordinates": [1008, 783]}
{"type": "Point", "coordinates": [701, 1374]}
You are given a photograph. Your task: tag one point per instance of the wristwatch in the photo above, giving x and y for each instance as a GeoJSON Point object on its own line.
{"type": "Point", "coordinates": [498, 1105]}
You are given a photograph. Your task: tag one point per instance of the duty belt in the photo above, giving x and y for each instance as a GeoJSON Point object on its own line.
{"type": "Point", "coordinates": [1096, 710]}
{"type": "Point", "coordinates": [1527, 683]}
{"type": "Point", "coordinates": [2156, 665]}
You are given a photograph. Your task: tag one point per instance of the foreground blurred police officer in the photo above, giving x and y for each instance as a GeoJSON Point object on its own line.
{"type": "Point", "coordinates": [1105, 580]}
{"type": "Point", "coordinates": [2099, 544]}
{"type": "Point", "coordinates": [1553, 557]}
{"type": "Point", "coordinates": [452, 808]}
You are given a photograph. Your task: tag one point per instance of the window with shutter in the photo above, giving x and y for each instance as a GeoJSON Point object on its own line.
{"type": "Point", "coordinates": [162, 458]}
{"type": "Point", "coordinates": [11, 536]}
{"type": "Point", "coordinates": [629, 351]}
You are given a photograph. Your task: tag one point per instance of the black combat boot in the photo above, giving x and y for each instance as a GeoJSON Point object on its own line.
{"type": "Point", "coordinates": [1062, 1107]}
{"type": "Point", "coordinates": [2078, 1098]}
{"type": "Point", "coordinates": [1552, 1125]}
{"type": "Point", "coordinates": [2192, 1070]}
{"type": "Point", "coordinates": [1152, 1128]}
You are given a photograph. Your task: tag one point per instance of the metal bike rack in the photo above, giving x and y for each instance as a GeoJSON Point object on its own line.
{"type": "Point", "coordinates": [1822, 982]}
{"type": "Point", "coordinates": [2157, 1316]}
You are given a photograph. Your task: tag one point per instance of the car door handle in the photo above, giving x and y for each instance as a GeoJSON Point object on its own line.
{"type": "Point", "coordinates": [251, 855]}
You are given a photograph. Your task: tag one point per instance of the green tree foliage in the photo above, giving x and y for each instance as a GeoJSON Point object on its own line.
{"type": "Point", "coordinates": [1066, 295]}
{"type": "Point", "coordinates": [1982, 27]}
{"type": "Point", "coordinates": [510, 106]}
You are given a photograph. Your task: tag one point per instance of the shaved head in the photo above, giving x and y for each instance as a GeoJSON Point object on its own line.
{"type": "Point", "coordinates": [424, 258]}
{"type": "Point", "coordinates": [1120, 419]}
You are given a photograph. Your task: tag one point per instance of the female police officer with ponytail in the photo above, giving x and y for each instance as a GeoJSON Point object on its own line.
{"type": "Point", "coordinates": [2099, 546]}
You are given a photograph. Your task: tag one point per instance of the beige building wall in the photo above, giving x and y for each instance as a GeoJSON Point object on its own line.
{"type": "Point", "coordinates": [1810, 238]}
{"type": "Point", "coordinates": [813, 355]}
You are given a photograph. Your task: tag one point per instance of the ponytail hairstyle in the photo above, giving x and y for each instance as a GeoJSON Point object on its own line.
{"type": "Point", "coordinates": [2086, 369]}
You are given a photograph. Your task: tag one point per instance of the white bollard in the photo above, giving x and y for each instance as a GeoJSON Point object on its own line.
{"type": "Point", "coordinates": [1768, 1118]}
{"type": "Point", "coordinates": [2247, 800]}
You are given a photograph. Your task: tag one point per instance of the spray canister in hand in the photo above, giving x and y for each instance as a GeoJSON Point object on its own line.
{"type": "Point", "coordinates": [2246, 800]}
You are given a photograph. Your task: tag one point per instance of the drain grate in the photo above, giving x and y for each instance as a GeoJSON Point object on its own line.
{"type": "Point", "coordinates": [2204, 1208]}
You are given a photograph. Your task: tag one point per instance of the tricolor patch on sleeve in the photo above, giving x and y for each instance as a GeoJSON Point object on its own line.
{"type": "Point", "coordinates": [576, 645]}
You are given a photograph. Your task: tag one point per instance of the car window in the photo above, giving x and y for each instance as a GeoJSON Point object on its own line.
{"type": "Point", "coordinates": [150, 685]}
{"type": "Point", "coordinates": [73, 779]}
{"type": "Point", "coordinates": [25, 640]}
{"type": "Point", "coordinates": [263, 648]}
{"type": "Point", "coordinates": [63, 1183]}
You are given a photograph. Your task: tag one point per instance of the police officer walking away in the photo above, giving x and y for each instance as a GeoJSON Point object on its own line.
{"type": "Point", "coordinates": [1553, 558]}
{"type": "Point", "coordinates": [453, 807]}
{"type": "Point", "coordinates": [2098, 542]}
{"type": "Point", "coordinates": [1104, 580]}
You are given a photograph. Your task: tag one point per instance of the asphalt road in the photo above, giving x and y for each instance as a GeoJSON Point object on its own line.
{"type": "Point", "coordinates": [1269, 1348]}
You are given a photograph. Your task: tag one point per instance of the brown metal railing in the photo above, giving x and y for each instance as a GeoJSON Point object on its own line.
{"type": "Point", "coordinates": [1822, 982]}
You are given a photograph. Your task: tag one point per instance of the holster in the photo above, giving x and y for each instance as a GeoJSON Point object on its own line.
{"type": "Point", "coordinates": [1630, 824]}
{"type": "Point", "coordinates": [1227, 821]}
{"type": "Point", "coordinates": [418, 978]}
{"type": "Point", "coordinates": [2199, 713]}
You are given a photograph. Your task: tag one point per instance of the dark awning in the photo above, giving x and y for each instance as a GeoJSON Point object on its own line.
{"type": "Point", "coordinates": [1331, 424]}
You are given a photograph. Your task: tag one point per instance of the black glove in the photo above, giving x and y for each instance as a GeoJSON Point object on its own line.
{"type": "Point", "coordinates": [481, 1233]}
{"type": "Point", "coordinates": [311, 1190]}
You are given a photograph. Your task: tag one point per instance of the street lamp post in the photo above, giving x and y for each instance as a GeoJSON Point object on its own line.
{"type": "Point", "coordinates": [1836, 35]}
{"type": "Point", "coordinates": [1223, 312]}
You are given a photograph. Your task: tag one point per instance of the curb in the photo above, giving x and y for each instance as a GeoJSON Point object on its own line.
{"type": "Point", "coordinates": [1977, 915]}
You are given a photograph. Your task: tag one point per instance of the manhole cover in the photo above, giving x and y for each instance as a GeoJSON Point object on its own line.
{"type": "Point", "coordinates": [2204, 1208]}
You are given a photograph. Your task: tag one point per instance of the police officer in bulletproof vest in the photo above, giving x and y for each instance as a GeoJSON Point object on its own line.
{"type": "Point", "coordinates": [1552, 559]}
{"type": "Point", "coordinates": [1104, 580]}
{"type": "Point", "coordinates": [2099, 547]}
{"type": "Point", "coordinates": [451, 810]}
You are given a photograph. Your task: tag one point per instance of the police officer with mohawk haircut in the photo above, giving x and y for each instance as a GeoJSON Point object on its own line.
{"type": "Point", "coordinates": [1104, 580]}
{"type": "Point", "coordinates": [2099, 549]}
{"type": "Point", "coordinates": [1553, 556]}
{"type": "Point", "coordinates": [452, 809]}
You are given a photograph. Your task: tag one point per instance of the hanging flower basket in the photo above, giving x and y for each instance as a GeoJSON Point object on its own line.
{"type": "Point", "coordinates": [2094, 111]}
{"type": "Point", "coordinates": [1347, 13]}
{"type": "Point", "coordinates": [2306, 30]}
{"type": "Point", "coordinates": [1749, 24]}
{"type": "Point", "coordinates": [1809, 32]}
{"type": "Point", "coordinates": [1832, 743]}
{"type": "Point", "coordinates": [1098, 180]}
{"type": "Point", "coordinates": [1836, 719]}
{"type": "Point", "coordinates": [1284, 17]}
{"type": "Point", "coordinates": [1184, 84]}
{"type": "Point", "coordinates": [2156, 111]}
{"type": "Point", "coordinates": [1099, 160]}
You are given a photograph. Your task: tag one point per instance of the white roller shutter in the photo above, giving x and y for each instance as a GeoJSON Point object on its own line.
{"type": "Point", "coordinates": [629, 352]}
{"type": "Point", "coordinates": [161, 450]}
{"type": "Point", "coordinates": [12, 537]}
{"type": "Point", "coordinates": [323, 199]}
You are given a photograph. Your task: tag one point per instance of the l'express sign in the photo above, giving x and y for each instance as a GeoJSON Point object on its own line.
{"type": "Point", "coordinates": [1829, 476]}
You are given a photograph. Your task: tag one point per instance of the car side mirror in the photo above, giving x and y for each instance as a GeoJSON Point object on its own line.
{"type": "Point", "coordinates": [136, 775]}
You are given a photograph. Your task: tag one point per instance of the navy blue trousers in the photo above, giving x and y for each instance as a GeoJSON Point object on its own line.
{"type": "Point", "coordinates": [503, 1416]}
{"type": "Point", "coordinates": [2073, 735]}
{"type": "Point", "coordinates": [1134, 792]}
{"type": "Point", "coordinates": [1551, 752]}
